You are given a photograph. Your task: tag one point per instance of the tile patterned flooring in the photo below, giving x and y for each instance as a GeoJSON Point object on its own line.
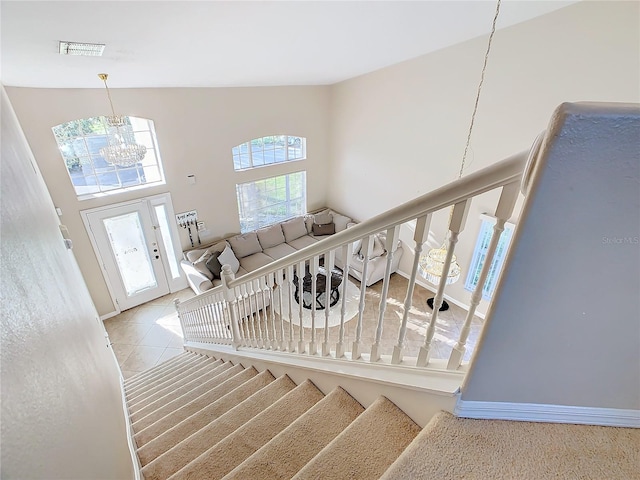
{"type": "Point", "coordinates": [149, 334]}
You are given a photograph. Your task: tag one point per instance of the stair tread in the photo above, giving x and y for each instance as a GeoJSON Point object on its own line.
{"type": "Point", "coordinates": [292, 448]}
{"type": "Point", "coordinates": [223, 457]}
{"type": "Point", "coordinates": [199, 442]}
{"type": "Point", "coordinates": [366, 448]}
{"type": "Point", "coordinates": [176, 433]}
{"type": "Point", "coordinates": [168, 374]}
{"type": "Point", "coordinates": [167, 363]}
{"type": "Point", "coordinates": [161, 388]}
{"type": "Point", "coordinates": [215, 370]}
{"type": "Point", "coordinates": [194, 406]}
{"type": "Point", "coordinates": [181, 396]}
{"type": "Point", "coordinates": [449, 448]}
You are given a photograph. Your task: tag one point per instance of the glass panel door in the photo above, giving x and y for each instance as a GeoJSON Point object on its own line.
{"type": "Point", "coordinates": [124, 237]}
{"type": "Point", "coordinates": [131, 254]}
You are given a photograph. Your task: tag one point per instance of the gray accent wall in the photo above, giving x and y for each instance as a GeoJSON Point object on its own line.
{"type": "Point", "coordinates": [62, 414]}
{"type": "Point", "coordinates": [564, 327]}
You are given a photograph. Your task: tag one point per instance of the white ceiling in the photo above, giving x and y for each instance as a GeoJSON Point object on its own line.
{"type": "Point", "coordinates": [235, 43]}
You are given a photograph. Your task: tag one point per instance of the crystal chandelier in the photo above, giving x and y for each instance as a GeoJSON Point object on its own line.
{"type": "Point", "coordinates": [122, 150]}
{"type": "Point", "coordinates": [431, 264]}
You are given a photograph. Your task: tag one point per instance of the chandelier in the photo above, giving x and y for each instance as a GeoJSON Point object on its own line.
{"type": "Point", "coordinates": [122, 149]}
{"type": "Point", "coordinates": [431, 264]}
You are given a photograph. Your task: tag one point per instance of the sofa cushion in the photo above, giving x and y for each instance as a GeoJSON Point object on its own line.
{"type": "Point", "coordinates": [255, 261]}
{"type": "Point", "coordinates": [293, 229]}
{"type": "Point", "coordinates": [270, 236]}
{"type": "Point", "coordinates": [213, 264]}
{"type": "Point", "coordinates": [245, 244]}
{"type": "Point", "coordinates": [279, 251]}
{"type": "Point", "coordinates": [228, 258]}
{"type": "Point", "coordinates": [302, 242]}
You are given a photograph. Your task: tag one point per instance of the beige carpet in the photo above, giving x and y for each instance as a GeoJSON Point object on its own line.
{"type": "Point", "coordinates": [139, 378]}
{"type": "Point", "coordinates": [194, 406]}
{"type": "Point", "coordinates": [196, 444]}
{"type": "Point", "coordinates": [366, 448]}
{"type": "Point", "coordinates": [289, 451]}
{"type": "Point", "coordinates": [137, 393]}
{"type": "Point", "coordinates": [163, 388]}
{"type": "Point", "coordinates": [230, 422]}
{"type": "Point", "coordinates": [454, 448]}
{"type": "Point", "coordinates": [168, 435]}
{"type": "Point", "coordinates": [183, 395]}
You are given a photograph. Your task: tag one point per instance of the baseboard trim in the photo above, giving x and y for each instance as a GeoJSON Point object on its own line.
{"type": "Point", "coordinates": [536, 412]}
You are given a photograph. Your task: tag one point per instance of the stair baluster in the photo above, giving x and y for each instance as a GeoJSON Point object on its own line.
{"type": "Point", "coordinates": [391, 246]}
{"type": "Point", "coordinates": [503, 211]}
{"type": "Point", "coordinates": [329, 261]}
{"type": "Point", "coordinates": [301, 346]}
{"type": "Point", "coordinates": [313, 346]}
{"type": "Point", "coordinates": [289, 282]}
{"type": "Point", "coordinates": [367, 246]}
{"type": "Point", "coordinates": [420, 236]}
{"type": "Point", "coordinates": [347, 251]}
{"type": "Point", "coordinates": [456, 224]}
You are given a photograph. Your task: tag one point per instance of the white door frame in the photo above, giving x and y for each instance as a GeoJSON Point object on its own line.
{"type": "Point", "coordinates": [175, 277]}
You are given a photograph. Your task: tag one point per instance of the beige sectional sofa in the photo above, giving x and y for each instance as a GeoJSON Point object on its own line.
{"type": "Point", "coordinates": [249, 251]}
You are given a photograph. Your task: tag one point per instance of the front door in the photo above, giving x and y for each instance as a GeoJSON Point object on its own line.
{"type": "Point", "coordinates": [136, 248]}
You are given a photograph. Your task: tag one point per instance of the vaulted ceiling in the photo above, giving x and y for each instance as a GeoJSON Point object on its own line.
{"type": "Point", "coordinates": [235, 43]}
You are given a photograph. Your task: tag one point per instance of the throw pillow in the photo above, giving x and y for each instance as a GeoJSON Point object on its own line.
{"type": "Point", "coordinates": [270, 236]}
{"type": "Point", "coordinates": [213, 264]}
{"type": "Point", "coordinates": [341, 221]}
{"type": "Point", "coordinates": [377, 249]}
{"type": "Point", "coordinates": [193, 255]}
{"type": "Point", "coordinates": [322, 218]}
{"type": "Point", "coordinates": [201, 267]}
{"type": "Point", "coordinates": [294, 228]}
{"type": "Point", "coordinates": [228, 258]}
{"type": "Point", "coordinates": [325, 229]}
{"type": "Point", "coordinates": [245, 244]}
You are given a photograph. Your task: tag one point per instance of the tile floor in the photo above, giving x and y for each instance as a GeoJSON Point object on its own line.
{"type": "Point", "coordinates": [149, 334]}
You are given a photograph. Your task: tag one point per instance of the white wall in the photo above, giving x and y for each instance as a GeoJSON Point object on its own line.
{"type": "Point", "coordinates": [196, 129]}
{"type": "Point", "coordinates": [62, 411]}
{"type": "Point", "coordinates": [400, 132]}
{"type": "Point", "coordinates": [578, 344]}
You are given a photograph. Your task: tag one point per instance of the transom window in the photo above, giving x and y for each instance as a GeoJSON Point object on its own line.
{"type": "Point", "coordinates": [80, 142]}
{"type": "Point", "coordinates": [480, 253]}
{"type": "Point", "coordinates": [270, 200]}
{"type": "Point", "coordinates": [267, 151]}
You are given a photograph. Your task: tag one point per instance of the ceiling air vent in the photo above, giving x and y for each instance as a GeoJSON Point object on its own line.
{"type": "Point", "coordinates": [86, 49]}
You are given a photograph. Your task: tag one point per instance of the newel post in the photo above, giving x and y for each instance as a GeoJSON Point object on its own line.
{"type": "Point", "coordinates": [227, 276]}
{"type": "Point", "coordinates": [176, 304]}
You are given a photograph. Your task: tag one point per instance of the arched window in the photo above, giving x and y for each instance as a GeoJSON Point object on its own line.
{"type": "Point", "coordinates": [82, 143]}
{"type": "Point", "coordinates": [260, 152]}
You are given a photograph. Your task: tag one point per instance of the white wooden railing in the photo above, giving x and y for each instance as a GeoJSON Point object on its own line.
{"type": "Point", "coordinates": [234, 314]}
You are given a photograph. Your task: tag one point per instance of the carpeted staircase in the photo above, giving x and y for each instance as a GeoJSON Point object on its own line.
{"type": "Point", "coordinates": [195, 417]}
